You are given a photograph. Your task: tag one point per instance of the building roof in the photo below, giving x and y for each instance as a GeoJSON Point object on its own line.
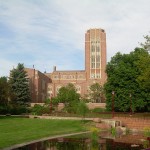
{"type": "Point", "coordinates": [68, 71]}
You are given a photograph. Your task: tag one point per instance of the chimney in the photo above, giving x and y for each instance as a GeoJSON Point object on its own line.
{"type": "Point", "coordinates": [54, 68]}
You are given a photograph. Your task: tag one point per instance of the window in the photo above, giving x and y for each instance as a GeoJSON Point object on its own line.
{"type": "Point", "coordinates": [92, 48]}
{"type": "Point", "coordinates": [97, 75]}
{"type": "Point", "coordinates": [92, 75]}
{"type": "Point", "coordinates": [92, 58]}
{"type": "Point", "coordinates": [57, 88]}
{"type": "Point", "coordinates": [97, 65]}
{"type": "Point", "coordinates": [49, 89]}
{"type": "Point", "coordinates": [93, 65]}
{"type": "Point", "coordinates": [97, 58]}
{"type": "Point", "coordinates": [98, 48]}
{"type": "Point", "coordinates": [78, 88]}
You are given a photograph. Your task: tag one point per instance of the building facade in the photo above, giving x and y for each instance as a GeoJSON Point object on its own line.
{"type": "Point", "coordinates": [46, 85]}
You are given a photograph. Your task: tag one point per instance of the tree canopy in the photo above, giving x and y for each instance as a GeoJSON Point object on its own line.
{"type": "Point", "coordinates": [67, 94]}
{"type": "Point", "coordinates": [146, 44]}
{"type": "Point", "coordinates": [19, 85]}
{"type": "Point", "coordinates": [126, 73]}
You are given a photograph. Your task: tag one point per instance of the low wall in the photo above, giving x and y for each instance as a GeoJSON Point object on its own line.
{"type": "Point", "coordinates": [90, 105]}
{"type": "Point", "coordinates": [134, 123]}
{"type": "Point", "coordinates": [32, 104]}
{"type": "Point", "coordinates": [96, 105]}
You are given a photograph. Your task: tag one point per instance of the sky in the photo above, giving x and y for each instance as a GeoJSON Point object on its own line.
{"type": "Point", "coordinates": [47, 33]}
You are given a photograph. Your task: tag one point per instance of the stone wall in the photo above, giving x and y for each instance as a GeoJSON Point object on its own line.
{"type": "Point", "coordinates": [96, 105]}
{"type": "Point", "coordinates": [90, 105]}
{"type": "Point", "coordinates": [134, 123]}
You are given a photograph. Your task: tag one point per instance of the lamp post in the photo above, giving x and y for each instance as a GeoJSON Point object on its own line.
{"type": "Point", "coordinates": [130, 103]}
{"type": "Point", "coordinates": [51, 102]}
{"type": "Point", "coordinates": [113, 94]}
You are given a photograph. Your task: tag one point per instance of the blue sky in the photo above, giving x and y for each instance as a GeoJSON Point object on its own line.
{"type": "Point", "coordinates": [45, 33]}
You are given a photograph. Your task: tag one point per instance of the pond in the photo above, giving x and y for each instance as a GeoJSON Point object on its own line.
{"type": "Point", "coordinates": [104, 141]}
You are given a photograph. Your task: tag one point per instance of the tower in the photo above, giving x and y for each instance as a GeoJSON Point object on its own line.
{"type": "Point", "coordinates": [95, 54]}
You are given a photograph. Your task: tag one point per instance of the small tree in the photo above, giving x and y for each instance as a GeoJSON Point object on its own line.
{"type": "Point", "coordinates": [82, 108]}
{"type": "Point", "coordinates": [19, 85]}
{"type": "Point", "coordinates": [69, 96]}
{"type": "Point", "coordinates": [96, 92]}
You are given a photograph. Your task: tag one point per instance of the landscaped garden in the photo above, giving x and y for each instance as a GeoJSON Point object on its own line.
{"type": "Point", "coordinates": [126, 94]}
{"type": "Point", "coordinates": [19, 130]}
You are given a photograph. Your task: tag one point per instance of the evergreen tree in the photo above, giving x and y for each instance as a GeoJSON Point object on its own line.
{"type": "Point", "coordinates": [4, 91]}
{"type": "Point", "coordinates": [19, 85]}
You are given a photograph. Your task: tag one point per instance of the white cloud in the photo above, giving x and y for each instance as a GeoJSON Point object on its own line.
{"type": "Point", "coordinates": [47, 33]}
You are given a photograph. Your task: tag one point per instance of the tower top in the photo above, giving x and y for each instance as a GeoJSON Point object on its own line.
{"type": "Point", "coordinates": [91, 29]}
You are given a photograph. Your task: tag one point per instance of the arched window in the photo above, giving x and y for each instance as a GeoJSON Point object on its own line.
{"type": "Point", "coordinates": [78, 88]}
{"type": "Point", "coordinates": [49, 89]}
{"type": "Point", "coordinates": [57, 88]}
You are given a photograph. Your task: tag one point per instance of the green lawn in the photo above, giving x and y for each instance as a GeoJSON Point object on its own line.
{"type": "Point", "coordinates": [19, 130]}
{"type": "Point", "coordinates": [104, 115]}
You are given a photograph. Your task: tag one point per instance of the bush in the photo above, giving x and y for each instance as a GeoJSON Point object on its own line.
{"type": "Point", "coordinates": [18, 110]}
{"type": "Point", "coordinates": [147, 131]}
{"type": "Point", "coordinates": [82, 108]}
{"type": "Point", "coordinates": [39, 110]}
{"type": "Point", "coordinates": [13, 110]}
{"type": "Point", "coordinates": [98, 110]}
{"type": "Point", "coordinates": [3, 110]}
{"type": "Point", "coordinates": [69, 109]}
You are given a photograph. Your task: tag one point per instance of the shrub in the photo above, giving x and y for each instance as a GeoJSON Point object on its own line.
{"type": "Point", "coordinates": [3, 110]}
{"type": "Point", "coordinates": [147, 131]}
{"type": "Point", "coordinates": [98, 110]}
{"type": "Point", "coordinates": [18, 110]}
{"type": "Point", "coordinates": [39, 110]}
{"type": "Point", "coordinates": [82, 108]}
{"type": "Point", "coordinates": [13, 109]}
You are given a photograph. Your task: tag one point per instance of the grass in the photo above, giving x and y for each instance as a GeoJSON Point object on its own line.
{"type": "Point", "coordinates": [104, 115]}
{"type": "Point", "coordinates": [18, 130]}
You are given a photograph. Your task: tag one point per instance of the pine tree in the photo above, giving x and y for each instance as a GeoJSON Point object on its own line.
{"type": "Point", "coordinates": [19, 85]}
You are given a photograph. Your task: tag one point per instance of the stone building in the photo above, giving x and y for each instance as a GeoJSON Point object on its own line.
{"type": "Point", "coordinates": [46, 85]}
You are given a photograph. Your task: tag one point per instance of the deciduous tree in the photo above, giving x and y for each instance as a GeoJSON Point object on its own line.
{"type": "Point", "coordinates": [96, 93]}
{"type": "Point", "coordinates": [123, 73]}
{"type": "Point", "coordinates": [68, 94]}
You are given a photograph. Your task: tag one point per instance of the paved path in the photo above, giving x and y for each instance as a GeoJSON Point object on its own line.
{"type": "Point", "coordinates": [57, 117]}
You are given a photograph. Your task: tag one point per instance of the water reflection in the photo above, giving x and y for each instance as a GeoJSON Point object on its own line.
{"type": "Point", "coordinates": [105, 141]}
